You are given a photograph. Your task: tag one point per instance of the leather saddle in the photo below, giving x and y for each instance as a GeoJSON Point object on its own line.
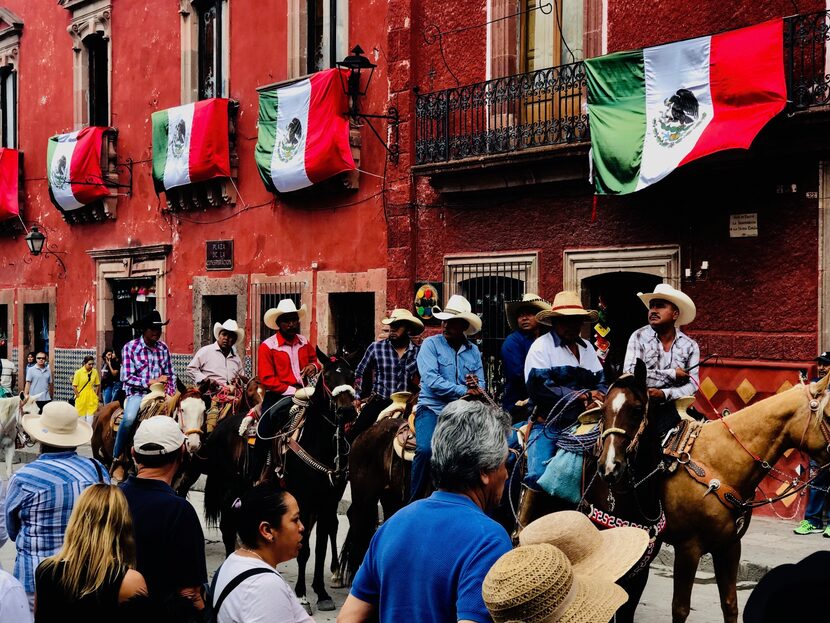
{"type": "Point", "coordinates": [115, 420]}
{"type": "Point", "coordinates": [404, 442]}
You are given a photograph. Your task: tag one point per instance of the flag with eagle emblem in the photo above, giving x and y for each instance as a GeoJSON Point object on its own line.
{"type": "Point", "coordinates": [73, 168]}
{"type": "Point", "coordinates": [653, 110]}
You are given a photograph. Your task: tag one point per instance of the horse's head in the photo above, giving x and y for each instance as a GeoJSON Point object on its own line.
{"type": "Point", "coordinates": [28, 406]}
{"type": "Point", "coordinates": [624, 416]}
{"type": "Point", "coordinates": [337, 384]}
{"type": "Point", "coordinates": [191, 416]}
{"type": "Point", "coordinates": [815, 438]}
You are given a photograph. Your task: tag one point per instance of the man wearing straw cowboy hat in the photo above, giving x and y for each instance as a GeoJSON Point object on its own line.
{"type": "Point", "coordinates": [563, 375]}
{"type": "Point", "coordinates": [286, 361]}
{"type": "Point", "coordinates": [219, 362]}
{"type": "Point", "coordinates": [395, 366]}
{"type": "Point", "coordinates": [41, 494]}
{"type": "Point", "coordinates": [450, 367]}
{"type": "Point", "coordinates": [671, 356]}
{"type": "Point", "coordinates": [521, 316]}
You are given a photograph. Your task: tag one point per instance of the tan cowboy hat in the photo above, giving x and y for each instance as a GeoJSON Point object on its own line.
{"type": "Point", "coordinates": [459, 307]}
{"type": "Point", "coordinates": [58, 426]}
{"type": "Point", "coordinates": [285, 306]}
{"type": "Point", "coordinates": [682, 301]}
{"type": "Point", "coordinates": [538, 584]}
{"type": "Point", "coordinates": [529, 301]}
{"type": "Point", "coordinates": [607, 554]}
{"type": "Point", "coordinates": [404, 315]}
{"type": "Point", "coordinates": [231, 327]}
{"type": "Point", "coordinates": [566, 304]}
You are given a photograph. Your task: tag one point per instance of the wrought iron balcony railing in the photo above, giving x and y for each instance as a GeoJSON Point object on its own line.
{"type": "Point", "coordinates": [549, 107]}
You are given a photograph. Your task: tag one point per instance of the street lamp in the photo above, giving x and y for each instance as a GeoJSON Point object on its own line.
{"type": "Point", "coordinates": [357, 66]}
{"type": "Point", "coordinates": [36, 241]}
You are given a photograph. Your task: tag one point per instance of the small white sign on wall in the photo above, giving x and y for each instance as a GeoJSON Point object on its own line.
{"type": "Point", "coordinates": [743, 225]}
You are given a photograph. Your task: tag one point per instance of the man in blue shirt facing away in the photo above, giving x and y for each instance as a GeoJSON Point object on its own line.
{"type": "Point", "coordinates": [450, 367]}
{"type": "Point", "coordinates": [447, 539]}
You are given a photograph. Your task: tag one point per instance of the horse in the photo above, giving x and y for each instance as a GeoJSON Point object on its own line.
{"type": "Point", "coordinates": [712, 472]}
{"type": "Point", "coordinates": [313, 469]}
{"type": "Point", "coordinates": [12, 411]}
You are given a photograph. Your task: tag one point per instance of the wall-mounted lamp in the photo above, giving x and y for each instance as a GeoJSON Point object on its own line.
{"type": "Point", "coordinates": [36, 241]}
{"type": "Point", "coordinates": [701, 274]}
{"type": "Point", "coordinates": [355, 81]}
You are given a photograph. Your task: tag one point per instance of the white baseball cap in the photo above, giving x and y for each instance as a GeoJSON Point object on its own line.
{"type": "Point", "coordinates": [158, 435]}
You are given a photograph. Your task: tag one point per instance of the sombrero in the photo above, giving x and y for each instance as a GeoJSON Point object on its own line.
{"type": "Point", "coordinates": [566, 304]}
{"type": "Point", "coordinates": [285, 306]}
{"type": "Point", "coordinates": [682, 301]}
{"type": "Point", "coordinates": [231, 327]}
{"type": "Point", "coordinates": [404, 315]}
{"type": "Point", "coordinates": [58, 426]}
{"type": "Point", "coordinates": [529, 301]}
{"type": "Point", "coordinates": [459, 307]}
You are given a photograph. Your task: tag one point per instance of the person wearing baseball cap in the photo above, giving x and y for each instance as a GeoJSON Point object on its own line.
{"type": "Point", "coordinates": [170, 545]}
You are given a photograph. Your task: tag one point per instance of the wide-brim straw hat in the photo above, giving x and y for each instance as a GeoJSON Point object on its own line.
{"type": "Point", "coordinates": [528, 301]}
{"type": "Point", "coordinates": [404, 315]}
{"type": "Point", "coordinates": [566, 304]}
{"type": "Point", "coordinates": [682, 301]}
{"type": "Point", "coordinates": [231, 327]}
{"type": "Point", "coordinates": [459, 307]}
{"type": "Point", "coordinates": [58, 426]}
{"type": "Point", "coordinates": [285, 306]}
{"type": "Point", "coordinates": [605, 554]}
{"type": "Point", "coordinates": [538, 584]}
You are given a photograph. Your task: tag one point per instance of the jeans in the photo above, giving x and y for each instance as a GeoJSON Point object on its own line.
{"type": "Point", "coordinates": [541, 446]}
{"type": "Point", "coordinates": [131, 406]}
{"type": "Point", "coordinates": [425, 422]}
{"type": "Point", "coordinates": [817, 500]}
{"type": "Point", "coordinates": [110, 392]}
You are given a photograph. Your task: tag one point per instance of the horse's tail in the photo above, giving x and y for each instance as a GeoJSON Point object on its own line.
{"type": "Point", "coordinates": [223, 482]}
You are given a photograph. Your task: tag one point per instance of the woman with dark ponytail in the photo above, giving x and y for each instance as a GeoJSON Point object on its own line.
{"type": "Point", "coordinates": [248, 588]}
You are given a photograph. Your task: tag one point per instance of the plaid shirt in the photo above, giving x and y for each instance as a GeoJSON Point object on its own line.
{"type": "Point", "coordinates": [140, 364]}
{"type": "Point", "coordinates": [392, 373]}
{"type": "Point", "coordinates": [684, 353]}
{"type": "Point", "coordinates": [39, 501]}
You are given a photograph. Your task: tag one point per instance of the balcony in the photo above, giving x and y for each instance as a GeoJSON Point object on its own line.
{"type": "Point", "coordinates": [518, 124]}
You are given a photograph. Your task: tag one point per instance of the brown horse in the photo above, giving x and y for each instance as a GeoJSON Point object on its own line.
{"type": "Point", "coordinates": [707, 493]}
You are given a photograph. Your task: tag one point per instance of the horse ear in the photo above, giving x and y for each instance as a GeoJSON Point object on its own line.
{"type": "Point", "coordinates": [640, 372]}
{"type": "Point", "coordinates": [321, 356]}
{"type": "Point", "coordinates": [353, 358]}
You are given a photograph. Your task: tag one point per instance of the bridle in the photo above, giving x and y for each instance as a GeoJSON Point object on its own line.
{"type": "Point", "coordinates": [177, 413]}
{"type": "Point", "coordinates": [634, 440]}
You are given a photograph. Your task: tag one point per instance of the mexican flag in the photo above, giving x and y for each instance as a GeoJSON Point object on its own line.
{"type": "Point", "coordinates": [73, 168]}
{"type": "Point", "coordinates": [656, 109]}
{"type": "Point", "coordinates": [191, 144]}
{"type": "Point", "coordinates": [303, 133]}
{"type": "Point", "coordinates": [9, 179]}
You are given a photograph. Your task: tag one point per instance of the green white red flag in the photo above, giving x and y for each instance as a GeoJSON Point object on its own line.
{"type": "Point", "coordinates": [9, 180]}
{"type": "Point", "coordinates": [191, 144]}
{"type": "Point", "coordinates": [303, 133]}
{"type": "Point", "coordinates": [73, 168]}
{"type": "Point", "coordinates": [653, 110]}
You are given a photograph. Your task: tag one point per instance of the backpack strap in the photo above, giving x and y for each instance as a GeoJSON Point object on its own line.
{"type": "Point", "coordinates": [98, 471]}
{"type": "Point", "coordinates": [233, 584]}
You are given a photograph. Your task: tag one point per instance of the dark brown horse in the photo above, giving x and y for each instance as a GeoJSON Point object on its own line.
{"type": "Point", "coordinates": [707, 494]}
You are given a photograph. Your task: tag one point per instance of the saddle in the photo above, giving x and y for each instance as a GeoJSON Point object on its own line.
{"type": "Point", "coordinates": [404, 442]}
{"type": "Point", "coordinates": [217, 412]}
{"type": "Point", "coordinates": [115, 420]}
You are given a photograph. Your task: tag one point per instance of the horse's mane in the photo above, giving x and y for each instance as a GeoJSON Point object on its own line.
{"type": "Point", "coordinates": [8, 407]}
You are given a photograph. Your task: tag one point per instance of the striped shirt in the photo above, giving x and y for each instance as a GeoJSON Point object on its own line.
{"type": "Point", "coordinates": [39, 501]}
{"type": "Point", "coordinates": [661, 364]}
{"type": "Point", "coordinates": [392, 373]}
{"type": "Point", "coordinates": [141, 364]}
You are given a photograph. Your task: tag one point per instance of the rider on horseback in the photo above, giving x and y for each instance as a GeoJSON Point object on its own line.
{"type": "Point", "coordinates": [215, 366]}
{"type": "Point", "coordinates": [286, 361]}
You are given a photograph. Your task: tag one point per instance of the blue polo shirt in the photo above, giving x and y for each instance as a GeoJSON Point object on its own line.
{"type": "Point", "coordinates": [427, 563]}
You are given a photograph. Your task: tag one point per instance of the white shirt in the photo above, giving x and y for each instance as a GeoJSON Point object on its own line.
{"type": "Point", "coordinates": [14, 604]}
{"type": "Point", "coordinates": [6, 375]}
{"type": "Point", "coordinates": [263, 598]}
{"type": "Point", "coordinates": [544, 353]}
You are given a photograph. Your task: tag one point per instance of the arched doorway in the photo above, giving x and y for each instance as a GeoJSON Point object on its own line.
{"type": "Point", "coordinates": [624, 313]}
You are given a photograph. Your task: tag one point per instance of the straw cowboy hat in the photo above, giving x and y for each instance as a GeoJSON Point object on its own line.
{"type": "Point", "coordinates": [459, 307]}
{"type": "Point", "coordinates": [607, 554]}
{"type": "Point", "coordinates": [529, 301]}
{"type": "Point", "coordinates": [150, 321]}
{"type": "Point", "coordinates": [566, 304]}
{"type": "Point", "coordinates": [681, 301]}
{"type": "Point", "coordinates": [538, 584]}
{"type": "Point", "coordinates": [231, 327]}
{"type": "Point", "coordinates": [285, 306]}
{"type": "Point", "coordinates": [404, 315]}
{"type": "Point", "coordinates": [58, 426]}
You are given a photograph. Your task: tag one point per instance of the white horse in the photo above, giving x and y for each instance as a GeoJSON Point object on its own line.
{"type": "Point", "coordinates": [191, 418]}
{"type": "Point", "coordinates": [12, 411]}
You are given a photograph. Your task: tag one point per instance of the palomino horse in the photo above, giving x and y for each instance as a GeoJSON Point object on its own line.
{"type": "Point", "coordinates": [314, 469]}
{"type": "Point", "coordinates": [12, 411]}
{"type": "Point", "coordinates": [713, 472]}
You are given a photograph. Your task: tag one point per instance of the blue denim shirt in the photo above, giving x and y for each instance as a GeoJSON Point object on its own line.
{"type": "Point", "coordinates": [443, 370]}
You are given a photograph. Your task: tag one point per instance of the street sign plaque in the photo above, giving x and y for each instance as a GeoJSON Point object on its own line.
{"type": "Point", "coordinates": [219, 255]}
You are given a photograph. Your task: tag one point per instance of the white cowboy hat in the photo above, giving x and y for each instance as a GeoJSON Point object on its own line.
{"type": "Point", "coordinates": [459, 307]}
{"type": "Point", "coordinates": [231, 327]}
{"type": "Point", "coordinates": [676, 297]}
{"type": "Point", "coordinates": [404, 315]}
{"type": "Point", "coordinates": [285, 306]}
{"type": "Point", "coordinates": [58, 426]}
{"type": "Point", "coordinates": [566, 304]}
{"type": "Point", "coordinates": [528, 301]}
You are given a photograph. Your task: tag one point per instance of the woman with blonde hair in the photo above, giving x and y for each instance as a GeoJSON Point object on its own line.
{"type": "Point", "coordinates": [93, 574]}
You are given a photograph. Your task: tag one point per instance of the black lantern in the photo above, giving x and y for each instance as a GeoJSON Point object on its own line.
{"type": "Point", "coordinates": [35, 241]}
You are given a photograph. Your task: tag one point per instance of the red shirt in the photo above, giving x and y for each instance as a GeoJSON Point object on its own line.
{"type": "Point", "coordinates": [281, 362]}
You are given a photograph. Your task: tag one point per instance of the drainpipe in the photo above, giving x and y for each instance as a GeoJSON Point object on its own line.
{"type": "Point", "coordinates": [313, 311]}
